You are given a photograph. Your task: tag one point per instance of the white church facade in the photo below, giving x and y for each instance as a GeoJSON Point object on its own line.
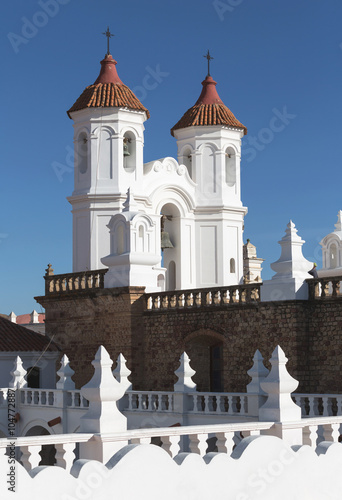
{"type": "Point", "coordinates": [121, 207]}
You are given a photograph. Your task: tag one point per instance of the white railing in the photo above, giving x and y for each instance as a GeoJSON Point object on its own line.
{"type": "Point", "coordinates": [319, 404]}
{"type": "Point", "coordinates": [150, 401]}
{"type": "Point", "coordinates": [200, 439]}
{"type": "Point", "coordinates": [218, 403]}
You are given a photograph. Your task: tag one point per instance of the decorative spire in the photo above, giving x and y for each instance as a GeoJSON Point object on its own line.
{"type": "Point", "coordinates": [65, 373]}
{"type": "Point", "coordinates": [122, 372]}
{"type": "Point", "coordinates": [18, 375]}
{"type": "Point", "coordinates": [108, 34]}
{"type": "Point", "coordinates": [292, 263]}
{"type": "Point", "coordinates": [338, 226]}
{"type": "Point", "coordinates": [185, 374]}
{"type": "Point", "coordinates": [130, 205]}
{"type": "Point", "coordinates": [209, 58]}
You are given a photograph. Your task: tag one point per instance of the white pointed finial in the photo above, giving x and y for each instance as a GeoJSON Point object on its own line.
{"type": "Point", "coordinates": [258, 372]}
{"type": "Point", "coordinates": [65, 373]}
{"type": "Point", "coordinates": [278, 386]}
{"type": "Point", "coordinates": [338, 225]}
{"type": "Point", "coordinates": [185, 374]}
{"type": "Point", "coordinates": [121, 373]}
{"type": "Point", "coordinates": [18, 375]}
{"type": "Point", "coordinates": [103, 392]}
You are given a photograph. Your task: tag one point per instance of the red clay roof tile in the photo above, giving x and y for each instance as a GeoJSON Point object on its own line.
{"type": "Point", "coordinates": [14, 338]}
{"type": "Point", "coordinates": [208, 110]}
{"type": "Point", "coordinates": [108, 91]}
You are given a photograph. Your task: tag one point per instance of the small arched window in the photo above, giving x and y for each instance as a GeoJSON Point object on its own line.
{"type": "Point", "coordinates": [232, 265]}
{"type": "Point", "coordinates": [120, 242]}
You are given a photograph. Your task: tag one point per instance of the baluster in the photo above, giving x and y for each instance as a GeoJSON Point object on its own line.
{"type": "Point", "coordinates": [170, 402]}
{"type": "Point", "coordinates": [170, 444]}
{"type": "Point", "coordinates": [217, 298]}
{"type": "Point", "coordinates": [198, 443]}
{"type": "Point", "coordinates": [335, 288]}
{"type": "Point", "coordinates": [140, 405]}
{"type": "Point", "coordinates": [310, 435]}
{"type": "Point", "coordinates": [331, 432]}
{"type": "Point", "coordinates": [43, 397]}
{"type": "Point", "coordinates": [325, 288]}
{"type": "Point", "coordinates": [30, 457]}
{"type": "Point", "coordinates": [225, 442]}
{"type": "Point", "coordinates": [160, 402]}
{"type": "Point", "coordinates": [65, 455]}
{"type": "Point", "coordinates": [181, 300]}
{"type": "Point", "coordinates": [206, 403]}
{"type": "Point", "coordinates": [149, 303]}
{"type": "Point", "coordinates": [325, 406]}
{"type": "Point", "coordinates": [198, 299]}
{"type": "Point", "coordinates": [230, 405]}
{"type": "Point", "coordinates": [173, 301]}
{"type": "Point", "coordinates": [330, 406]}
{"type": "Point", "coordinates": [219, 401]}
{"type": "Point", "coordinates": [130, 401]}
{"type": "Point", "coordinates": [156, 302]}
{"type": "Point", "coordinates": [339, 405]}
{"type": "Point", "coordinates": [165, 302]}
{"type": "Point", "coordinates": [244, 405]}
{"type": "Point", "coordinates": [232, 297]}
{"type": "Point", "coordinates": [189, 300]}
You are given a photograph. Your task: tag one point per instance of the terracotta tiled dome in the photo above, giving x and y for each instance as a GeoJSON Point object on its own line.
{"type": "Point", "coordinates": [208, 110]}
{"type": "Point", "coordinates": [108, 91]}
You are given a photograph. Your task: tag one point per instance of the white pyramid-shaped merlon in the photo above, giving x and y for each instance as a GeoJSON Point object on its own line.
{"type": "Point", "coordinates": [185, 374]}
{"type": "Point", "coordinates": [292, 269]}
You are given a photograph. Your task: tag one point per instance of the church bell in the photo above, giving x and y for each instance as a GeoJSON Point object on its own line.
{"type": "Point", "coordinates": [165, 241]}
{"type": "Point", "coordinates": [125, 149]}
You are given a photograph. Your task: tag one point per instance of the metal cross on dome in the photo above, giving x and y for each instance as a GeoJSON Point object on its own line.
{"type": "Point", "coordinates": [208, 56]}
{"type": "Point", "coordinates": [108, 35]}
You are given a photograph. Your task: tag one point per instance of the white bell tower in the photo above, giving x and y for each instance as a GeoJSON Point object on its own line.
{"type": "Point", "coordinates": [209, 145]}
{"type": "Point", "coordinates": [108, 141]}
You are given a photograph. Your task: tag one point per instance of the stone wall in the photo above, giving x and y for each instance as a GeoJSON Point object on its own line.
{"type": "Point", "coordinates": [153, 340]}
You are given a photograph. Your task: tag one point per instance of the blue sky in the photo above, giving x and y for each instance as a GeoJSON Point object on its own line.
{"type": "Point", "coordinates": [269, 58]}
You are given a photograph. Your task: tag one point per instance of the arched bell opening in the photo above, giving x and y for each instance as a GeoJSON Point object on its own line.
{"type": "Point", "coordinates": [129, 152]}
{"type": "Point", "coordinates": [170, 243]}
{"type": "Point", "coordinates": [333, 256]}
{"type": "Point", "coordinates": [82, 153]}
{"type": "Point", "coordinates": [230, 167]}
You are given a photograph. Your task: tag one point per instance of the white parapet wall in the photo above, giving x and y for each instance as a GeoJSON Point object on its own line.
{"type": "Point", "coordinates": [259, 467]}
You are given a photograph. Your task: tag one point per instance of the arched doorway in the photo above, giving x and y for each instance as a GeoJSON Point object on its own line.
{"type": "Point", "coordinates": [205, 350]}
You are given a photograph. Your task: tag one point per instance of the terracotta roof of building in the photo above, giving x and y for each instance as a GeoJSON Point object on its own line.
{"type": "Point", "coordinates": [25, 319]}
{"type": "Point", "coordinates": [208, 110]}
{"type": "Point", "coordinates": [16, 338]}
{"type": "Point", "coordinates": [108, 91]}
